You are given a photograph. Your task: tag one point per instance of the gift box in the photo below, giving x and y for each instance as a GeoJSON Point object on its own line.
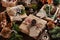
{"type": "Point", "coordinates": [7, 3]}
{"type": "Point", "coordinates": [32, 26]}
{"type": "Point", "coordinates": [17, 13]}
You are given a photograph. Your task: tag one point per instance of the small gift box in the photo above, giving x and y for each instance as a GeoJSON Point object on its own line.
{"type": "Point", "coordinates": [47, 14]}
{"type": "Point", "coordinates": [9, 3]}
{"type": "Point", "coordinates": [17, 12]}
{"type": "Point", "coordinates": [4, 20]}
{"type": "Point", "coordinates": [32, 26]}
{"type": "Point", "coordinates": [6, 32]}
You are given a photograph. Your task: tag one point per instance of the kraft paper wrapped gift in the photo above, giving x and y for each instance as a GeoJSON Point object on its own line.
{"type": "Point", "coordinates": [32, 31]}
{"type": "Point", "coordinates": [7, 3]}
{"type": "Point", "coordinates": [13, 12]}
